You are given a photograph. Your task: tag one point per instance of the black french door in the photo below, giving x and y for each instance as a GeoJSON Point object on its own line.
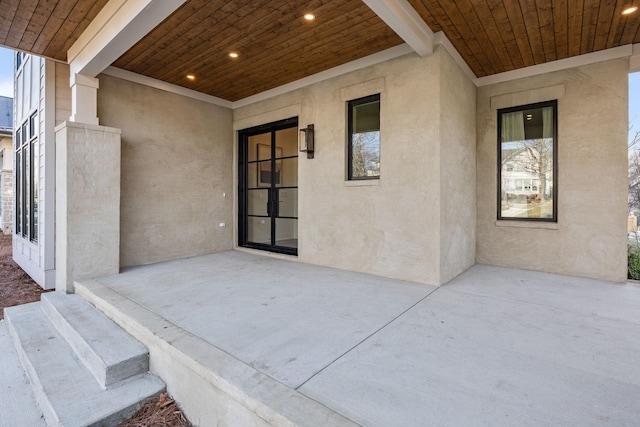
{"type": "Point", "coordinates": [268, 187]}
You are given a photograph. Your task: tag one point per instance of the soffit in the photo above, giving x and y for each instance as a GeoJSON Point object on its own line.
{"type": "Point", "coordinates": [277, 46]}
{"type": "Point", "coordinates": [46, 28]}
{"type": "Point", "coordinates": [494, 36]}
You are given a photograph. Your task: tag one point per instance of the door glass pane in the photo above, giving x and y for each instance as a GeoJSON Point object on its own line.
{"type": "Point", "coordinates": [259, 147]}
{"type": "Point", "coordinates": [287, 142]}
{"type": "Point", "coordinates": [252, 175]}
{"type": "Point", "coordinates": [287, 172]}
{"type": "Point", "coordinates": [265, 175]}
{"type": "Point", "coordinates": [259, 230]}
{"type": "Point", "coordinates": [257, 202]}
{"type": "Point", "coordinates": [288, 199]}
{"type": "Point", "coordinates": [287, 232]}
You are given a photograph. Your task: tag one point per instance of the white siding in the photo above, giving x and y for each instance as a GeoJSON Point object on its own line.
{"type": "Point", "coordinates": [36, 92]}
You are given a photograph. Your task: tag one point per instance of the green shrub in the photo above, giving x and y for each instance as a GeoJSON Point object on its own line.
{"type": "Point", "coordinates": [633, 259]}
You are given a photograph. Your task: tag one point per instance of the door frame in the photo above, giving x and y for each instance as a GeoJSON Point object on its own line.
{"type": "Point", "coordinates": [243, 156]}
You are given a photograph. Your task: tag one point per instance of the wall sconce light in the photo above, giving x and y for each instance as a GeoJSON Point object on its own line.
{"type": "Point", "coordinates": [306, 141]}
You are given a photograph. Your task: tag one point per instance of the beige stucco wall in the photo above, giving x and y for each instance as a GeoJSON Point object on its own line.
{"type": "Point", "coordinates": [177, 173]}
{"type": "Point", "coordinates": [391, 226]}
{"type": "Point", "coordinates": [457, 171]}
{"type": "Point", "coordinates": [589, 239]}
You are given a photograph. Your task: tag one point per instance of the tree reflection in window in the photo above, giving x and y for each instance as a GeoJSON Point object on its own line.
{"type": "Point", "coordinates": [364, 138]}
{"type": "Point", "coordinates": [527, 165]}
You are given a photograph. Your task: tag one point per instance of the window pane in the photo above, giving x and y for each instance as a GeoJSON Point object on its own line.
{"type": "Point", "coordinates": [288, 202]}
{"type": "Point", "coordinates": [257, 202]}
{"type": "Point", "coordinates": [287, 232]}
{"type": "Point", "coordinates": [527, 163]}
{"type": "Point", "coordinates": [259, 147]}
{"type": "Point", "coordinates": [18, 192]}
{"type": "Point", "coordinates": [259, 230]}
{"type": "Point", "coordinates": [34, 189]}
{"type": "Point", "coordinates": [26, 195]}
{"type": "Point", "coordinates": [287, 142]}
{"type": "Point", "coordinates": [364, 138]}
{"type": "Point", "coordinates": [287, 172]}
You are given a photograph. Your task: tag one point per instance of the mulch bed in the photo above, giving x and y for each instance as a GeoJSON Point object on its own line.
{"type": "Point", "coordinates": [162, 412]}
{"type": "Point", "coordinates": [16, 287]}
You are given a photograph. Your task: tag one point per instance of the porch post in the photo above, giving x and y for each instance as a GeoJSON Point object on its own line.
{"type": "Point", "coordinates": [87, 202]}
{"type": "Point", "coordinates": [84, 99]}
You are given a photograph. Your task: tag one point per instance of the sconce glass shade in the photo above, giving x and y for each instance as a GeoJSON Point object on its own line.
{"type": "Point", "coordinates": [307, 141]}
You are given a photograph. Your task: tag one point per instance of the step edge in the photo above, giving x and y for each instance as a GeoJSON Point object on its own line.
{"type": "Point", "coordinates": [106, 372]}
{"type": "Point", "coordinates": [44, 403]}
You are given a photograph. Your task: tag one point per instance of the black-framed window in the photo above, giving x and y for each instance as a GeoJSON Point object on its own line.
{"type": "Point", "coordinates": [27, 179]}
{"type": "Point", "coordinates": [364, 138]}
{"type": "Point", "coordinates": [527, 162]}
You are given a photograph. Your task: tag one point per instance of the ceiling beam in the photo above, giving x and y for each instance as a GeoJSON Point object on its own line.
{"type": "Point", "coordinates": [118, 26]}
{"type": "Point", "coordinates": [402, 18]}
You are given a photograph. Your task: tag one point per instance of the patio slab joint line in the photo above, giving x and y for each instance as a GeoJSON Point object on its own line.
{"type": "Point", "coordinates": [367, 337]}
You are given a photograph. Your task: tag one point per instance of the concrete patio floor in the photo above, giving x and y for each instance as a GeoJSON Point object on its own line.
{"type": "Point", "coordinates": [494, 346]}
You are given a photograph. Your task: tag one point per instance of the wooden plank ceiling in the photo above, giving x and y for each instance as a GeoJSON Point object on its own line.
{"type": "Point", "coordinates": [277, 46]}
{"type": "Point", "coordinates": [494, 36]}
{"type": "Point", "coordinates": [46, 28]}
{"type": "Point", "coordinates": [274, 42]}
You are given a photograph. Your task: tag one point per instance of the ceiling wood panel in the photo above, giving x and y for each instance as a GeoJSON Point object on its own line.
{"type": "Point", "coordinates": [547, 31]}
{"type": "Point", "coordinates": [532, 26]}
{"type": "Point", "coordinates": [435, 17]}
{"type": "Point", "coordinates": [530, 31]}
{"type": "Point", "coordinates": [560, 19]}
{"type": "Point", "coordinates": [603, 24]}
{"type": "Point", "coordinates": [277, 46]}
{"type": "Point", "coordinates": [499, 13]}
{"type": "Point", "coordinates": [575, 26]}
{"type": "Point", "coordinates": [56, 21]}
{"type": "Point", "coordinates": [491, 22]}
{"type": "Point", "coordinates": [516, 19]}
{"type": "Point", "coordinates": [47, 28]}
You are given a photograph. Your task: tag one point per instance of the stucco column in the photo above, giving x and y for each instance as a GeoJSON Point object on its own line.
{"type": "Point", "coordinates": [87, 203]}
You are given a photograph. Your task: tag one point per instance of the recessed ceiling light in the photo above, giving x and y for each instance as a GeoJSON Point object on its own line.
{"type": "Point", "coordinates": [233, 54]}
{"type": "Point", "coordinates": [630, 10]}
{"type": "Point", "coordinates": [191, 76]}
{"type": "Point", "coordinates": [309, 16]}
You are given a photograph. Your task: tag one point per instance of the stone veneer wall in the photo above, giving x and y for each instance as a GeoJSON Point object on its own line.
{"type": "Point", "coordinates": [6, 204]}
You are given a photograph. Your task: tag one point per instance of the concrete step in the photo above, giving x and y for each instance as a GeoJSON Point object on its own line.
{"type": "Point", "coordinates": [65, 390]}
{"type": "Point", "coordinates": [19, 407]}
{"type": "Point", "coordinates": [109, 353]}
